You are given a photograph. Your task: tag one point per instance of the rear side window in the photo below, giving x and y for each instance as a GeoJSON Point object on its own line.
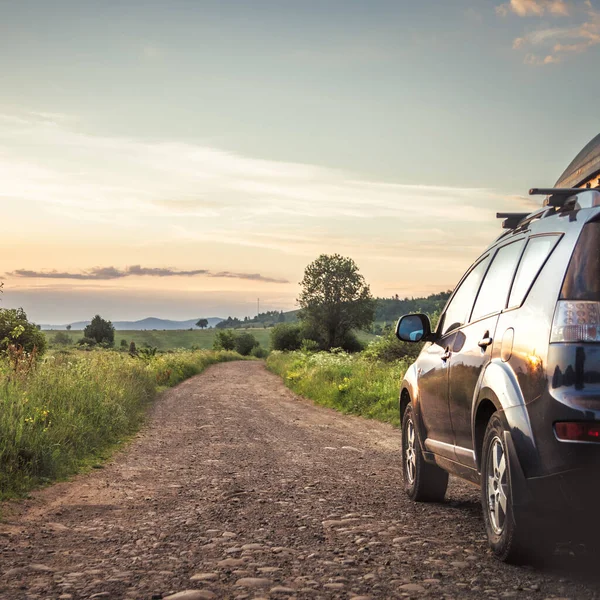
{"type": "Point", "coordinates": [537, 251]}
{"type": "Point", "coordinates": [494, 290]}
{"type": "Point", "coordinates": [582, 281]}
{"type": "Point", "coordinates": [460, 306]}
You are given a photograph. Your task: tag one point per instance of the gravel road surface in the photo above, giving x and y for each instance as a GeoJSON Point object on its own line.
{"type": "Point", "coordinates": [237, 488]}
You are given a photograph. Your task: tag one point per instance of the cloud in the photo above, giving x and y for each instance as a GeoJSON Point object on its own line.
{"type": "Point", "coordinates": [547, 46]}
{"type": "Point", "coordinates": [110, 273]}
{"type": "Point", "coordinates": [534, 8]}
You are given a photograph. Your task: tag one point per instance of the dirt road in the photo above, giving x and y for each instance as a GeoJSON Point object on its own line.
{"type": "Point", "coordinates": [237, 488]}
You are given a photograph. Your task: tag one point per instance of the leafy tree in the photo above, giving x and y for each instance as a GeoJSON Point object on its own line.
{"type": "Point", "coordinates": [286, 336]}
{"type": "Point", "coordinates": [124, 344]}
{"type": "Point", "coordinates": [62, 339]}
{"type": "Point", "coordinates": [245, 343]}
{"type": "Point", "coordinates": [335, 299]}
{"type": "Point", "coordinates": [101, 331]}
{"type": "Point", "coordinates": [68, 327]}
{"type": "Point", "coordinates": [16, 330]}
{"type": "Point", "coordinates": [202, 323]}
{"type": "Point", "coordinates": [224, 340]}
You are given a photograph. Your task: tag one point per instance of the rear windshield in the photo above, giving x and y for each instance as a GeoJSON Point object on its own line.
{"type": "Point", "coordinates": [582, 281]}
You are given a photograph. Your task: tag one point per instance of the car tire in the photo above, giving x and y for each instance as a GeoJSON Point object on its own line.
{"type": "Point", "coordinates": [512, 539]}
{"type": "Point", "coordinates": [423, 481]}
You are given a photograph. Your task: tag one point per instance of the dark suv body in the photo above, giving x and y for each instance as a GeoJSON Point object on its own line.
{"type": "Point", "coordinates": [506, 391]}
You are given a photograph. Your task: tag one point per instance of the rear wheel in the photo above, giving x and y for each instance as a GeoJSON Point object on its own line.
{"type": "Point", "coordinates": [423, 482]}
{"type": "Point", "coordinates": [512, 538]}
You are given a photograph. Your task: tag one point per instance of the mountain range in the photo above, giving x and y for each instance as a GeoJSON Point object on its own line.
{"type": "Point", "coordinates": [148, 323]}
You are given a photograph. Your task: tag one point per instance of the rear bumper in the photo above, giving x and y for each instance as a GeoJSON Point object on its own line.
{"type": "Point", "coordinates": [573, 490]}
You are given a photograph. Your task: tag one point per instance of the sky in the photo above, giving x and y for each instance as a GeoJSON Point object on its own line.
{"type": "Point", "coordinates": [182, 159]}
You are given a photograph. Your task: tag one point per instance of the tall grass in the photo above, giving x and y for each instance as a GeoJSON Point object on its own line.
{"type": "Point", "coordinates": [59, 413]}
{"type": "Point", "coordinates": [351, 383]}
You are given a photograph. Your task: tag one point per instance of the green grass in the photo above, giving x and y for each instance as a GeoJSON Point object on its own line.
{"type": "Point", "coordinates": [350, 383]}
{"type": "Point", "coordinates": [170, 340]}
{"type": "Point", "coordinates": [67, 410]}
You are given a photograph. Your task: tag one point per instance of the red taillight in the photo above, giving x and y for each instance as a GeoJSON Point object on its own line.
{"type": "Point", "coordinates": [578, 432]}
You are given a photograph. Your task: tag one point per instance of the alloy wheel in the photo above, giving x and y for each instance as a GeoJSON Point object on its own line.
{"type": "Point", "coordinates": [497, 486]}
{"type": "Point", "coordinates": [411, 452]}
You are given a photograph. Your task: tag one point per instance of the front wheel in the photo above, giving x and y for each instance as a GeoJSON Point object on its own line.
{"type": "Point", "coordinates": [423, 482]}
{"type": "Point", "coordinates": [512, 539]}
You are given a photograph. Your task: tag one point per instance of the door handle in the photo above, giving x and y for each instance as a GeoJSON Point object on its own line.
{"type": "Point", "coordinates": [446, 355]}
{"type": "Point", "coordinates": [485, 342]}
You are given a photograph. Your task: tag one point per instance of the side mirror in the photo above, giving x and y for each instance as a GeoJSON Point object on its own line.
{"type": "Point", "coordinates": [413, 328]}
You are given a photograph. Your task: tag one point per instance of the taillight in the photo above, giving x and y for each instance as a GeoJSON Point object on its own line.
{"type": "Point", "coordinates": [576, 321]}
{"type": "Point", "coordinates": [578, 432]}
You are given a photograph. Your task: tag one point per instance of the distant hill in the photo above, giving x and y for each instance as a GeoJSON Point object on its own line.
{"type": "Point", "coordinates": [148, 323]}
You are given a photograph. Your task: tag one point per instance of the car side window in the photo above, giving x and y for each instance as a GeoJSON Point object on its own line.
{"type": "Point", "coordinates": [494, 289]}
{"type": "Point", "coordinates": [537, 251]}
{"type": "Point", "coordinates": [460, 306]}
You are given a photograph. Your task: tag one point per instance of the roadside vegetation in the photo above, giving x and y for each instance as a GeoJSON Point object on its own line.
{"type": "Point", "coordinates": [67, 410]}
{"type": "Point", "coordinates": [322, 358]}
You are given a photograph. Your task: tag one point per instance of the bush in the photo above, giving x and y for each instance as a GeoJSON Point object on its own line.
{"type": "Point", "coordinates": [259, 352]}
{"type": "Point", "coordinates": [87, 342]}
{"type": "Point", "coordinates": [389, 348]}
{"type": "Point", "coordinates": [286, 336]}
{"type": "Point", "coordinates": [224, 340]}
{"type": "Point", "coordinates": [62, 339]}
{"type": "Point", "coordinates": [244, 343]}
{"type": "Point", "coordinates": [100, 330]}
{"type": "Point", "coordinates": [16, 330]}
{"type": "Point", "coordinates": [124, 344]}
{"type": "Point", "coordinates": [309, 346]}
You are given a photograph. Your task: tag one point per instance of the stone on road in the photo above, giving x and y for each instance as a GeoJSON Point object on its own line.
{"type": "Point", "coordinates": [237, 488]}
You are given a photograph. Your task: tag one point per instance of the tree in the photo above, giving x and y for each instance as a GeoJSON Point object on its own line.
{"type": "Point", "coordinates": [335, 299]}
{"type": "Point", "coordinates": [101, 331]}
{"type": "Point", "coordinates": [62, 339]}
{"type": "Point", "coordinates": [68, 327]}
{"type": "Point", "coordinates": [245, 343]}
{"type": "Point", "coordinates": [16, 330]}
{"type": "Point", "coordinates": [202, 323]}
{"type": "Point", "coordinates": [224, 340]}
{"type": "Point", "coordinates": [286, 336]}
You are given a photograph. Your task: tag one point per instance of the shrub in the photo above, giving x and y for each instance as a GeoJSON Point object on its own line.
{"type": "Point", "coordinates": [224, 340]}
{"type": "Point", "coordinates": [100, 330]}
{"type": "Point", "coordinates": [86, 341]}
{"type": "Point", "coordinates": [62, 339]}
{"type": "Point", "coordinates": [244, 343]}
{"type": "Point", "coordinates": [309, 346]}
{"type": "Point", "coordinates": [124, 344]}
{"type": "Point", "coordinates": [389, 348]}
{"type": "Point", "coordinates": [16, 330]}
{"type": "Point", "coordinates": [286, 336]}
{"type": "Point", "coordinates": [259, 352]}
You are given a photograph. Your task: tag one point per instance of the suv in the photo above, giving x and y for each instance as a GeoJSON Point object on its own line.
{"type": "Point", "coordinates": [506, 391]}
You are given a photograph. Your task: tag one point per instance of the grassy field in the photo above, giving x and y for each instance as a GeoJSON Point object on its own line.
{"type": "Point", "coordinates": [352, 384]}
{"type": "Point", "coordinates": [69, 409]}
{"type": "Point", "coordinates": [184, 339]}
{"type": "Point", "coordinates": [170, 340]}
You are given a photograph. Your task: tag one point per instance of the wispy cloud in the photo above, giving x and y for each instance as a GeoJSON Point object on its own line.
{"type": "Point", "coordinates": [534, 8]}
{"type": "Point", "coordinates": [551, 45]}
{"type": "Point", "coordinates": [110, 273]}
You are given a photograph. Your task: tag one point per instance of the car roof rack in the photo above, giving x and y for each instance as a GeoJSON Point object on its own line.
{"type": "Point", "coordinates": [511, 220]}
{"type": "Point", "coordinates": [556, 197]}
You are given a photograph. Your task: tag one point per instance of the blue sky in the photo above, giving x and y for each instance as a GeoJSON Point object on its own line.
{"type": "Point", "coordinates": [242, 139]}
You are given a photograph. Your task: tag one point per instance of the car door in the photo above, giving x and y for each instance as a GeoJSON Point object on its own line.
{"type": "Point", "coordinates": [472, 348]}
{"type": "Point", "coordinates": [433, 363]}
